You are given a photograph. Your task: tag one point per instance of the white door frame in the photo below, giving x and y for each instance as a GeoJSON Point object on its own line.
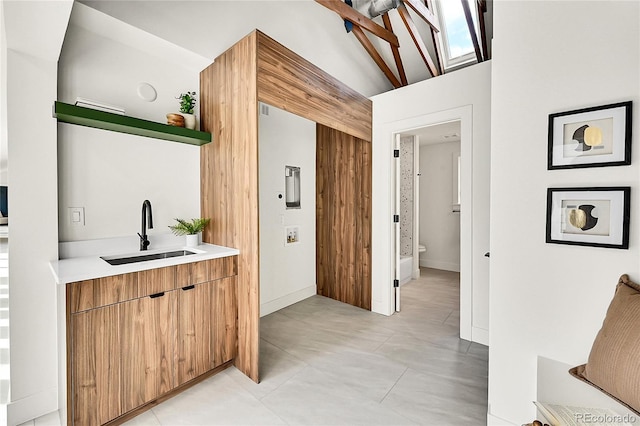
{"type": "Point", "coordinates": [465, 116]}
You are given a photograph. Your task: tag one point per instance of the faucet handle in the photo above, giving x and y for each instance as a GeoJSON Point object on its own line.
{"type": "Point", "coordinates": [144, 242]}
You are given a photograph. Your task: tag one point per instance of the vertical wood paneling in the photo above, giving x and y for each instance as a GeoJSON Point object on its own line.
{"type": "Point", "coordinates": [96, 366]}
{"type": "Point", "coordinates": [229, 178]}
{"type": "Point", "coordinates": [148, 333]}
{"type": "Point", "coordinates": [343, 217]}
{"type": "Point", "coordinates": [290, 82]}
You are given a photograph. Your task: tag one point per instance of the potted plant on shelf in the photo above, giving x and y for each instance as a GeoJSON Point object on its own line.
{"type": "Point", "coordinates": [187, 104]}
{"type": "Point", "coordinates": [192, 229]}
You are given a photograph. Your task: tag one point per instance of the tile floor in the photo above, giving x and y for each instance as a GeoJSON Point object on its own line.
{"type": "Point", "coordinates": [327, 363]}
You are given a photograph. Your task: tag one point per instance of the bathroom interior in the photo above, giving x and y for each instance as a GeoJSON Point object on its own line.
{"type": "Point", "coordinates": [429, 188]}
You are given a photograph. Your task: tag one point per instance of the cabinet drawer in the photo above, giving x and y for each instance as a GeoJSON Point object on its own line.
{"type": "Point", "coordinates": [156, 281]}
{"type": "Point", "coordinates": [192, 273]}
{"type": "Point", "coordinates": [223, 267]}
{"type": "Point", "coordinates": [99, 292]}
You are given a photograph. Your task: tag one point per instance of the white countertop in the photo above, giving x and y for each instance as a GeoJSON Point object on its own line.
{"type": "Point", "coordinates": [91, 266]}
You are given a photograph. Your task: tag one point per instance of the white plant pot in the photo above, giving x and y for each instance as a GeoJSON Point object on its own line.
{"type": "Point", "coordinates": [189, 121]}
{"type": "Point", "coordinates": [193, 240]}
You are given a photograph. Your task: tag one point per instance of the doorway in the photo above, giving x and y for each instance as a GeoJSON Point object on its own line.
{"type": "Point", "coordinates": [428, 197]}
{"type": "Point", "coordinates": [463, 115]}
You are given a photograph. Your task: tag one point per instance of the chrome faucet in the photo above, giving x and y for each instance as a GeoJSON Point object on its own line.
{"type": "Point", "coordinates": [146, 214]}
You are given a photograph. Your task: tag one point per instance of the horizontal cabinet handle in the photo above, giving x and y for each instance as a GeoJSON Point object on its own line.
{"type": "Point", "coordinates": [189, 287]}
{"type": "Point", "coordinates": [153, 296]}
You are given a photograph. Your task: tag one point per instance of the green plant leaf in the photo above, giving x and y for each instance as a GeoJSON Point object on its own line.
{"type": "Point", "coordinates": [192, 227]}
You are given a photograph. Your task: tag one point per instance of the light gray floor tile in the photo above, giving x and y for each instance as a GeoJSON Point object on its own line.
{"type": "Point", "coordinates": [354, 369]}
{"type": "Point", "coordinates": [276, 367]}
{"type": "Point", "coordinates": [218, 400]}
{"type": "Point", "coordinates": [51, 419]}
{"type": "Point", "coordinates": [148, 418]}
{"type": "Point", "coordinates": [314, 398]}
{"type": "Point", "coordinates": [431, 399]}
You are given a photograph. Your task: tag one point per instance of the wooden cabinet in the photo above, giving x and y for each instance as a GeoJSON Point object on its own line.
{"type": "Point", "coordinates": [224, 320]}
{"type": "Point", "coordinates": [96, 367]}
{"type": "Point", "coordinates": [147, 345]}
{"type": "Point", "coordinates": [194, 332]}
{"type": "Point", "coordinates": [136, 337]}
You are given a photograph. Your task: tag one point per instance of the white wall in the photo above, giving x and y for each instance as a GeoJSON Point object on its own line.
{"type": "Point", "coordinates": [34, 33]}
{"type": "Point", "coordinates": [446, 98]}
{"type": "Point", "coordinates": [287, 273]}
{"type": "Point", "coordinates": [3, 102]}
{"type": "Point", "coordinates": [547, 299]}
{"type": "Point", "coordinates": [110, 174]}
{"type": "Point", "coordinates": [439, 225]}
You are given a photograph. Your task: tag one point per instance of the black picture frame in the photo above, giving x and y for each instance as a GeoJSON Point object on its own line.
{"type": "Point", "coordinates": [592, 216]}
{"type": "Point", "coordinates": [573, 143]}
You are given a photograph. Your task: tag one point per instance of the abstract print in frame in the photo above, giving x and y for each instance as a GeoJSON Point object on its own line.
{"type": "Point", "coordinates": [590, 137]}
{"type": "Point", "coordinates": [597, 217]}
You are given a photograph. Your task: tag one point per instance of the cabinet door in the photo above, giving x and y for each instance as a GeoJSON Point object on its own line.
{"type": "Point", "coordinates": [225, 319]}
{"type": "Point", "coordinates": [194, 332]}
{"type": "Point", "coordinates": [148, 342]}
{"type": "Point", "coordinates": [95, 366]}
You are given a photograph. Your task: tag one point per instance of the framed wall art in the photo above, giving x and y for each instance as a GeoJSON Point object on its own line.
{"type": "Point", "coordinates": [597, 217]}
{"type": "Point", "coordinates": [590, 137]}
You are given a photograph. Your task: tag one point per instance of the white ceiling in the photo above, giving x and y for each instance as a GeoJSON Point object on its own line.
{"type": "Point", "coordinates": [438, 133]}
{"type": "Point", "coordinates": [209, 27]}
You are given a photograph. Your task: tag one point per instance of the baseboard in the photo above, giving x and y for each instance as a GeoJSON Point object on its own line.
{"type": "Point", "coordinates": [480, 335]}
{"type": "Point", "coordinates": [32, 407]}
{"type": "Point", "coordinates": [286, 300]}
{"type": "Point", "coordinates": [437, 264]}
{"type": "Point", "coordinates": [406, 280]}
{"type": "Point", "coordinates": [497, 421]}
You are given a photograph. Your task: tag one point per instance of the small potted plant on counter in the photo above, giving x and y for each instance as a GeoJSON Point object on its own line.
{"type": "Point", "coordinates": [192, 229]}
{"type": "Point", "coordinates": [187, 104]}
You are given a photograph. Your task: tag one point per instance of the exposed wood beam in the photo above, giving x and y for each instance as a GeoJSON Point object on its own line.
{"type": "Point", "coordinates": [371, 50]}
{"type": "Point", "coordinates": [415, 35]}
{"type": "Point", "coordinates": [472, 29]}
{"type": "Point", "coordinates": [359, 20]}
{"type": "Point", "coordinates": [424, 13]}
{"type": "Point", "coordinates": [396, 51]}
{"type": "Point", "coordinates": [482, 8]}
{"type": "Point", "coordinates": [436, 43]}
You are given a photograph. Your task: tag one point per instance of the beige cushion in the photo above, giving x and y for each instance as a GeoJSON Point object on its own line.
{"type": "Point", "coordinates": [614, 362]}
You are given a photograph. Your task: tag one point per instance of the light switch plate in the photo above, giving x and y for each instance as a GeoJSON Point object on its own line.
{"type": "Point", "coordinates": [76, 216]}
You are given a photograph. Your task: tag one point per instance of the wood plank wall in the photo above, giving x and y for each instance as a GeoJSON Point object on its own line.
{"type": "Point", "coordinates": [290, 82]}
{"type": "Point", "coordinates": [229, 180]}
{"type": "Point", "coordinates": [343, 217]}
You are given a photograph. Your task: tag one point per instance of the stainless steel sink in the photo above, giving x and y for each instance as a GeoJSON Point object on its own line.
{"type": "Point", "coordinates": [123, 260]}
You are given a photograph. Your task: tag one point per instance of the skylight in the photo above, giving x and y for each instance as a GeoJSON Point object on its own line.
{"type": "Point", "coordinates": [454, 37]}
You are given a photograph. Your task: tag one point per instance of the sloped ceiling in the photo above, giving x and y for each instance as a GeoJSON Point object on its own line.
{"type": "Point", "coordinates": [208, 28]}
